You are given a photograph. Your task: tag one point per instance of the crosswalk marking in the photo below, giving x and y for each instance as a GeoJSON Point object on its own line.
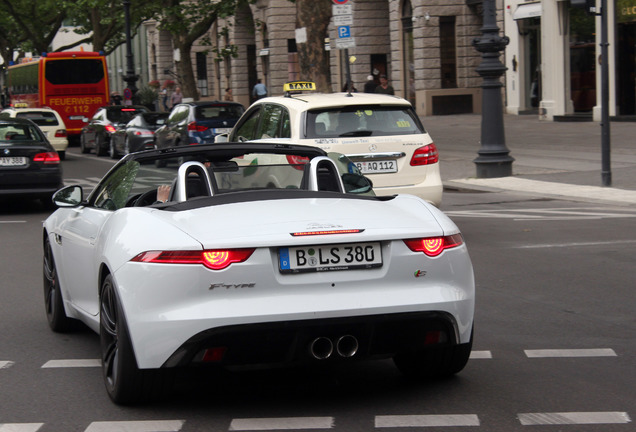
{"type": "Point", "coordinates": [20, 427]}
{"type": "Point", "coordinates": [283, 423]}
{"type": "Point", "coordinates": [71, 363]}
{"type": "Point", "coordinates": [5, 364]}
{"type": "Point", "coordinates": [598, 352]}
{"type": "Point", "coordinates": [570, 418]}
{"type": "Point", "coordinates": [136, 426]}
{"type": "Point", "coordinates": [394, 421]}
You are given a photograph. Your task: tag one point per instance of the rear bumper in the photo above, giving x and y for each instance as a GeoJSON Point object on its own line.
{"type": "Point", "coordinates": [293, 342]}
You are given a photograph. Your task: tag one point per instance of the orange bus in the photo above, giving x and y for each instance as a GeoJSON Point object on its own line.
{"type": "Point", "coordinates": [73, 83]}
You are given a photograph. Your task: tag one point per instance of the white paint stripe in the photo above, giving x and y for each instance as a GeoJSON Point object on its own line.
{"type": "Point", "coordinates": [577, 244]}
{"type": "Point", "coordinates": [570, 418]}
{"type": "Point", "coordinates": [20, 427]}
{"type": "Point", "coordinates": [599, 352]}
{"type": "Point", "coordinates": [6, 364]}
{"type": "Point", "coordinates": [392, 421]}
{"type": "Point", "coordinates": [283, 423]}
{"type": "Point", "coordinates": [480, 355]}
{"type": "Point", "coordinates": [136, 426]}
{"type": "Point", "coordinates": [12, 222]}
{"type": "Point", "coordinates": [72, 363]}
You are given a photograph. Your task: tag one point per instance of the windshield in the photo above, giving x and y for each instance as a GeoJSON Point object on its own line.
{"type": "Point", "coordinates": [362, 121]}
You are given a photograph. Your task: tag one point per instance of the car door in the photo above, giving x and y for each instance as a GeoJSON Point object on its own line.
{"type": "Point", "coordinates": [247, 127]}
{"type": "Point", "coordinates": [91, 127]}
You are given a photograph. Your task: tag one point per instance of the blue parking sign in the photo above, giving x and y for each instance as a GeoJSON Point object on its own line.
{"type": "Point", "coordinates": [344, 32]}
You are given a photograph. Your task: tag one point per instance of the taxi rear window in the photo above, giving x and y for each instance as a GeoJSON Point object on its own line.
{"type": "Point", "coordinates": [40, 118]}
{"type": "Point", "coordinates": [362, 121]}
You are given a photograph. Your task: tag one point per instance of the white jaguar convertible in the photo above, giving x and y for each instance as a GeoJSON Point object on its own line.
{"type": "Point", "coordinates": [258, 255]}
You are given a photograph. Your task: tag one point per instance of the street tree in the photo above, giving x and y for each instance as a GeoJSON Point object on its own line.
{"type": "Point", "coordinates": [314, 16]}
{"type": "Point", "coordinates": [187, 21]}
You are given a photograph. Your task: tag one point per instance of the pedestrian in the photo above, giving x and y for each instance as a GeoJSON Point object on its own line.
{"type": "Point", "coordinates": [259, 91]}
{"type": "Point", "coordinates": [370, 85]}
{"type": "Point", "coordinates": [345, 87]}
{"type": "Point", "coordinates": [228, 95]}
{"type": "Point", "coordinates": [164, 97]}
{"type": "Point", "coordinates": [384, 86]}
{"type": "Point", "coordinates": [176, 97]}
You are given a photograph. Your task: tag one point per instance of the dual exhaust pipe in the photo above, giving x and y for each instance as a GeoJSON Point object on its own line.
{"type": "Point", "coordinates": [322, 347]}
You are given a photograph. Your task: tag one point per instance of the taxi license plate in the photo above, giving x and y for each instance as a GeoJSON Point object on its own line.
{"type": "Point", "coordinates": [13, 161]}
{"type": "Point", "coordinates": [377, 167]}
{"type": "Point", "coordinates": [321, 258]}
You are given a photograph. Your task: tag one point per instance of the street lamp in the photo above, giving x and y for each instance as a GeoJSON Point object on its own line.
{"type": "Point", "coordinates": [494, 159]}
{"type": "Point", "coordinates": [130, 78]}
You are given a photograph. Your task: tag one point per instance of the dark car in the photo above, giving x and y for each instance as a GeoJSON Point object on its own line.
{"type": "Point", "coordinates": [138, 134]}
{"type": "Point", "coordinates": [198, 123]}
{"type": "Point", "coordinates": [98, 130]}
{"type": "Point", "coordinates": [29, 165]}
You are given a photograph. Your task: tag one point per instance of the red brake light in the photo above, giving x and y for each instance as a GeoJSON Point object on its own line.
{"type": "Point", "coordinates": [61, 133]}
{"type": "Point", "coordinates": [217, 259]}
{"type": "Point", "coordinates": [194, 127]}
{"type": "Point", "coordinates": [433, 246]}
{"type": "Point", "coordinates": [144, 133]}
{"type": "Point", "coordinates": [110, 128]}
{"type": "Point", "coordinates": [425, 155]}
{"type": "Point", "coordinates": [48, 158]}
{"type": "Point", "coordinates": [297, 161]}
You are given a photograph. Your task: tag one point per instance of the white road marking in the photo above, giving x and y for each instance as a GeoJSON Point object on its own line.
{"type": "Point", "coordinates": [283, 423]}
{"type": "Point", "coordinates": [571, 418]}
{"type": "Point", "coordinates": [136, 426]}
{"type": "Point", "coordinates": [456, 420]}
{"type": "Point", "coordinates": [597, 352]}
{"type": "Point", "coordinates": [4, 364]}
{"type": "Point", "coordinates": [20, 427]}
{"type": "Point", "coordinates": [576, 244]}
{"type": "Point", "coordinates": [480, 355]}
{"type": "Point", "coordinates": [12, 222]}
{"type": "Point", "coordinates": [546, 214]}
{"type": "Point", "coordinates": [72, 363]}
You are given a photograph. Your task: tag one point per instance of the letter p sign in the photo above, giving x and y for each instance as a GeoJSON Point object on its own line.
{"type": "Point", "coordinates": [344, 32]}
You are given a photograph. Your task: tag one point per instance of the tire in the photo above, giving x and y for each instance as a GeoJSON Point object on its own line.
{"type": "Point", "coordinates": [125, 382]}
{"type": "Point", "coordinates": [53, 302]}
{"type": "Point", "coordinates": [434, 363]}
{"type": "Point", "coordinates": [83, 147]}
{"type": "Point", "coordinates": [112, 151]}
{"type": "Point", "coordinates": [99, 146]}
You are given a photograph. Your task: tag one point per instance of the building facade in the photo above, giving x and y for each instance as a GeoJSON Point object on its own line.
{"type": "Point", "coordinates": [423, 46]}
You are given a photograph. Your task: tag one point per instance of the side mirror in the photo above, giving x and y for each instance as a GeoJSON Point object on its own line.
{"type": "Point", "coordinates": [70, 196]}
{"type": "Point", "coordinates": [221, 138]}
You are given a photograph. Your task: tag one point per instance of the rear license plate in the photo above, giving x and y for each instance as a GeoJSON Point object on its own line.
{"type": "Point", "coordinates": [321, 258]}
{"type": "Point", "coordinates": [222, 130]}
{"type": "Point", "coordinates": [377, 167]}
{"type": "Point", "coordinates": [13, 161]}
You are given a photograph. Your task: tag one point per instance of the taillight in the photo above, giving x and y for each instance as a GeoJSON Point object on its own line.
{"type": "Point", "coordinates": [433, 246]}
{"type": "Point", "coordinates": [61, 133]}
{"type": "Point", "coordinates": [48, 158]}
{"type": "Point", "coordinates": [194, 127]}
{"type": "Point", "coordinates": [217, 259]}
{"type": "Point", "coordinates": [110, 128]}
{"type": "Point", "coordinates": [138, 133]}
{"type": "Point", "coordinates": [425, 155]}
{"type": "Point", "coordinates": [297, 161]}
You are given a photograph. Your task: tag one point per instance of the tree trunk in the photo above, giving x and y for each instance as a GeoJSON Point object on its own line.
{"type": "Point", "coordinates": [186, 72]}
{"type": "Point", "coordinates": [314, 15]}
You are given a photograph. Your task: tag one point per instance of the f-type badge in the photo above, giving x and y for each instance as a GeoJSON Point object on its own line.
{"type": "Point", "coordinates": [231, 286]}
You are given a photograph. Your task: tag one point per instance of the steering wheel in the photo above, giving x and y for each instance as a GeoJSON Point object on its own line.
{"type": "Point", "coordinates": [146, 198]}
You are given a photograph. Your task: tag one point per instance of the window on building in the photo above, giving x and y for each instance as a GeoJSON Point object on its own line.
{"type": "Point", "coordinates": [447, 51]}
{"type": "Point", "coordinates": [202, 74]}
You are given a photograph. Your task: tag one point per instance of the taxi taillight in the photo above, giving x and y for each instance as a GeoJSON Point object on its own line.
{"type": "Point", "coordinates": [61, 133]}
{"type": "Point", "coordinates": [425, 155]}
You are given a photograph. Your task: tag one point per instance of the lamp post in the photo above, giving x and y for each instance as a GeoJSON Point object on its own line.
{"type": "Point", "coordinates": [130, 78]}
{"type": "Point", "coordinates": [494, 159]}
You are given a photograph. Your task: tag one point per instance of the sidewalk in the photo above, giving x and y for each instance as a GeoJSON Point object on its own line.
{"type": "Point", "coordinates": [560, 159]}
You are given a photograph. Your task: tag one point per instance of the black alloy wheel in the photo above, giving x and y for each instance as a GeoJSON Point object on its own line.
{"type": "Point", "coordinates": [53, 303]}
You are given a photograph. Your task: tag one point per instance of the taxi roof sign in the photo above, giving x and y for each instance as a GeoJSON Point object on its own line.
{"type": "Point", "coordinates": [299, 86]}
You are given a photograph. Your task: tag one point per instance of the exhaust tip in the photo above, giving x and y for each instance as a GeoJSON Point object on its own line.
{"type": "Point", "coordinates": [347, 346]}
{"type": "Point", "coordinates": [321, 348]}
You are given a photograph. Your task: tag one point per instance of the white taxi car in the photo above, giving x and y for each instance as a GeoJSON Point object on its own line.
{"type": "Point", "coordinates": [49, 122]}
{"type": "Point", "coordinates": [381, 134]}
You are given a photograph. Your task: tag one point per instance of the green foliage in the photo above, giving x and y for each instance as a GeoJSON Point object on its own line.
{"type": "Point", "coordinates": [147, 95]}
